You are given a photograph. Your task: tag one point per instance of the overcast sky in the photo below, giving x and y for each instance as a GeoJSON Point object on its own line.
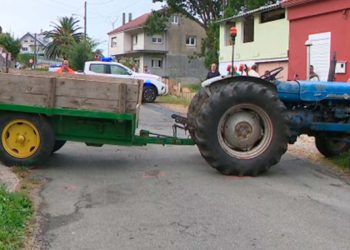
{"type": "Point", "coordinates": [21, 16]}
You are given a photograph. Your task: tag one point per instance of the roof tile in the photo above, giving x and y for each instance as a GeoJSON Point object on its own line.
{"type": "Point", "coordinates": [136, 23]}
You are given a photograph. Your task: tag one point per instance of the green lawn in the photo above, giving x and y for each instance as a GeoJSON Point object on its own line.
{"type": "Point", "coordinates": [15, 213]}
{"type": "Point", "coordinates": [342, 161]}
{"type": "Point", "coordinates": [193, 87]}
{"type": "Point", "coordinates": [173, 100]}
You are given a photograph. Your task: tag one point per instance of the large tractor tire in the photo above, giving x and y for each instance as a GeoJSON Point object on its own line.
{"type": "Point", "coordinates": [193, 111]}
{"type": "Point", "coordinates": [242, 129]}
{"type": "Point", "coordinates": [330, 146]}
{"type": "Point", "coordinates": [25, 139]}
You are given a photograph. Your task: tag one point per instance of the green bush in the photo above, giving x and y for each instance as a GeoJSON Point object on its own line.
{"type": "Point", "coordinates": [79, 54]}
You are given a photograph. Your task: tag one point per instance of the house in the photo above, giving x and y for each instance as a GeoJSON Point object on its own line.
{"type": "Point", "coordinates": [29, 41]}
{"type": "Point", "coordinates": [165, 54]}
{"type": "Point", "coordinates": [325, 26]}
{"type": "Point", "coordinates": [262, 39]}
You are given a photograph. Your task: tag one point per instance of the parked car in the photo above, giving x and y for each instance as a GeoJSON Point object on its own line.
{"type": "Point", "coordinates": [153, 85]}
{"type": "Point", "coordinates": [54, 67]}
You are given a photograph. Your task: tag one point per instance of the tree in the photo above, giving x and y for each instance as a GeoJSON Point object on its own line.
{"type": "Point", "coordinates": [24, 59]}
{"type": "Point", "coordinates": [64, 35]}
{"type": "Point", "coordinates": [11, 44]}
{"type": "Point", "coordinates": [80, 53]}
{"type": "Point", "coordinates": [157, 22]}
{"type": "Point", "coordinates": [205, 12]}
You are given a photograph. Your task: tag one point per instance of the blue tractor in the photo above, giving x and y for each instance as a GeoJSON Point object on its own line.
{"type": "Point", "coordinates": [243, 125]}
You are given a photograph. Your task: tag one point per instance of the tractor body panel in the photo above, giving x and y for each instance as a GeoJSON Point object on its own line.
{"type": "Point", "coordinates": [316, 107]}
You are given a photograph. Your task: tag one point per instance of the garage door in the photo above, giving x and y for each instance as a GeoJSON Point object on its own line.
{"type": "Point", "coordinates": [320, 53]}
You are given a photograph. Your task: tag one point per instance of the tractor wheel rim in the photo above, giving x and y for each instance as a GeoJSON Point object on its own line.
{"type": "Point", "coordinates": [245, 131]}
{"type": "Point", "coordinates": [149, 94]}
{"type": "Point", "coordinates": [20, 139]}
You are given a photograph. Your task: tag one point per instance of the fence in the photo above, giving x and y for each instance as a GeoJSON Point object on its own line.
{"type": "Point", "coordinates": [176, 90]}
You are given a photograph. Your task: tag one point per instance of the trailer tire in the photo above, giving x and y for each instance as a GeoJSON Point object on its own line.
{"type": "Point", "coordinates": [25, 139]}
{"type": "Point", "coordinates": [58, 145]}
{"type": "Point", "coordinates": [329, 147]}
{"type": "Point", "coordinates": [242, 129]}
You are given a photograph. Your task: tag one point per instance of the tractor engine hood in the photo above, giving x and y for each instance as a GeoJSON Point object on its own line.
{"type": "Point", "coordinates": [311, 91]}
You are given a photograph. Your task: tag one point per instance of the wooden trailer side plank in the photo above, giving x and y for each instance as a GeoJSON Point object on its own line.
{"type": "Point", "coordinates": [115, 95]}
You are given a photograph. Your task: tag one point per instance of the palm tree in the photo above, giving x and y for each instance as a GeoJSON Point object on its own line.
{"type": "Point", "coordinates": [64, 35]}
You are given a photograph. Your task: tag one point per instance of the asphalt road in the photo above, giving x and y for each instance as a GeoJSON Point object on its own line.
{"type": "Point", "coordinates": [169, 198]}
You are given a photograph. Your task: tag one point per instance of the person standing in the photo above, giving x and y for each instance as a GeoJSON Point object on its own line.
{"type": "Point", "coordinates": [65, 68]}
{"type": "Point", "coordinates": [146, 70]}
{"type": "Point", "coordinates": [213, 71]}
{"type": "Point", "coordinates": [313, 75]}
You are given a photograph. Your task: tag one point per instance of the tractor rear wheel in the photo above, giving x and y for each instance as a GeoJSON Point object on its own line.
{"type": "Point", "coordinates": [242, 129]}
{"type": "Point", "coordinates": [331, 146]}
{"type": "Point", "coordinates": [193, 111]}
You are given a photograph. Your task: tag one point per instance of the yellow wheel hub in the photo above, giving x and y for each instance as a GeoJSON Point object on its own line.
{"type": "Point", "coordinates": [20, 138]}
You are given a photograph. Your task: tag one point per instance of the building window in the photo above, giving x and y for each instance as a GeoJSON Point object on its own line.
{"type": "Point", "coordinates": [25, 41]}
{"type": "Point", "coordinates": [174, 19]}
{"type": "Point", "coordinates": [157, 63]}
{"type": "Point", "coordinates": [272, 15]}
{"type": "Point", "coordinates": [157, 39]}
{"type": "Point", "coordinates": [114, 42]}
{"type": "Point", "coordinates": [134, 39]}
{"type": "Point", "coordinates": [191, 41]}
{"type": "Point", "coordinates": [24, 49]}
{"type": "Point", "coordinates": [248, 30]}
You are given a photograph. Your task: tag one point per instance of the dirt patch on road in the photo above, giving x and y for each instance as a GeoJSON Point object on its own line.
{"type": "Point", "coordinates": [305, 148]}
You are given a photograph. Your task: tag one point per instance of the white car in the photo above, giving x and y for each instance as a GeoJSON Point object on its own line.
{"type": "Point", "coordinates": [153, 85]}
{"type": "Point", "coordinates": [54, 67]}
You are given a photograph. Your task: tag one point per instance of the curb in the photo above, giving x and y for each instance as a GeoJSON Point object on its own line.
{"type": "Point", "coordinates": [8, 179]}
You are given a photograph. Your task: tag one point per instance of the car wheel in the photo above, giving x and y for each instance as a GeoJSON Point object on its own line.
{"type": "Point", "coordinates": [149, 94]}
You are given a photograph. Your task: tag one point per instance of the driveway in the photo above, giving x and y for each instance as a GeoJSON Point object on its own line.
{"type": "Point", "coordinates": [168, 197]}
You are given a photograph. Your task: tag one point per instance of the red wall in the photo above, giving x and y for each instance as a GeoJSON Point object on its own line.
{"type": "Point", "coordinates": [318, 17]}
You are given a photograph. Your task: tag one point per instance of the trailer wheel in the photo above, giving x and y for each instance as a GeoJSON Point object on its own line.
{"type": "Point", "coordinates": [25, 139]}
{"type": "Point", "coordinates": [149, 94]}
{"type": "Point", "coordinates": [329, 146]}
{"type": "Point", "coordinates": [58, 145]}
{"type": "Point", "coordinates": [242, 129]}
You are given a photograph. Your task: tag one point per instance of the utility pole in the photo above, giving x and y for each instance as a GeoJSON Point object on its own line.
{"type": "Point", "coordinates": [85, 13]}
{"type": "Point", "coordinates": [35, 51]}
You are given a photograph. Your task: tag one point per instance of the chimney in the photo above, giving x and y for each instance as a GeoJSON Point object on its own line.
{"type": "Point", "coordinates": [123, 18]}
{"type": "Point", "coordinates": [130, 17]}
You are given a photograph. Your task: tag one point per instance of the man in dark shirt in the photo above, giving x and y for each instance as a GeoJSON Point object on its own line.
{"type": "Point", "coordinates": [213, 71]}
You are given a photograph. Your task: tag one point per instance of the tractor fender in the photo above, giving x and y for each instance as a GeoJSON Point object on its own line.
{"type": "Point", "coordinates": [223, 80]}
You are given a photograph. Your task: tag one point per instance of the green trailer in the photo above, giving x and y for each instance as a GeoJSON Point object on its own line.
{"type": "Point", "coordinates": [40, 112]}
{"type": "Point", "coordinates": [238, 123]}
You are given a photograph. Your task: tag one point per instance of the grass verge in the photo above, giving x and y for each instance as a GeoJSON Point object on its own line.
{"type": "Point", "coordinates": [15, 214]}
{"type": "Point", "coordinates": [341, 161]}
{"type": "Point", "coordinates": [173, 100]}
{"type": "Point", "coordinates": [193, 87]}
